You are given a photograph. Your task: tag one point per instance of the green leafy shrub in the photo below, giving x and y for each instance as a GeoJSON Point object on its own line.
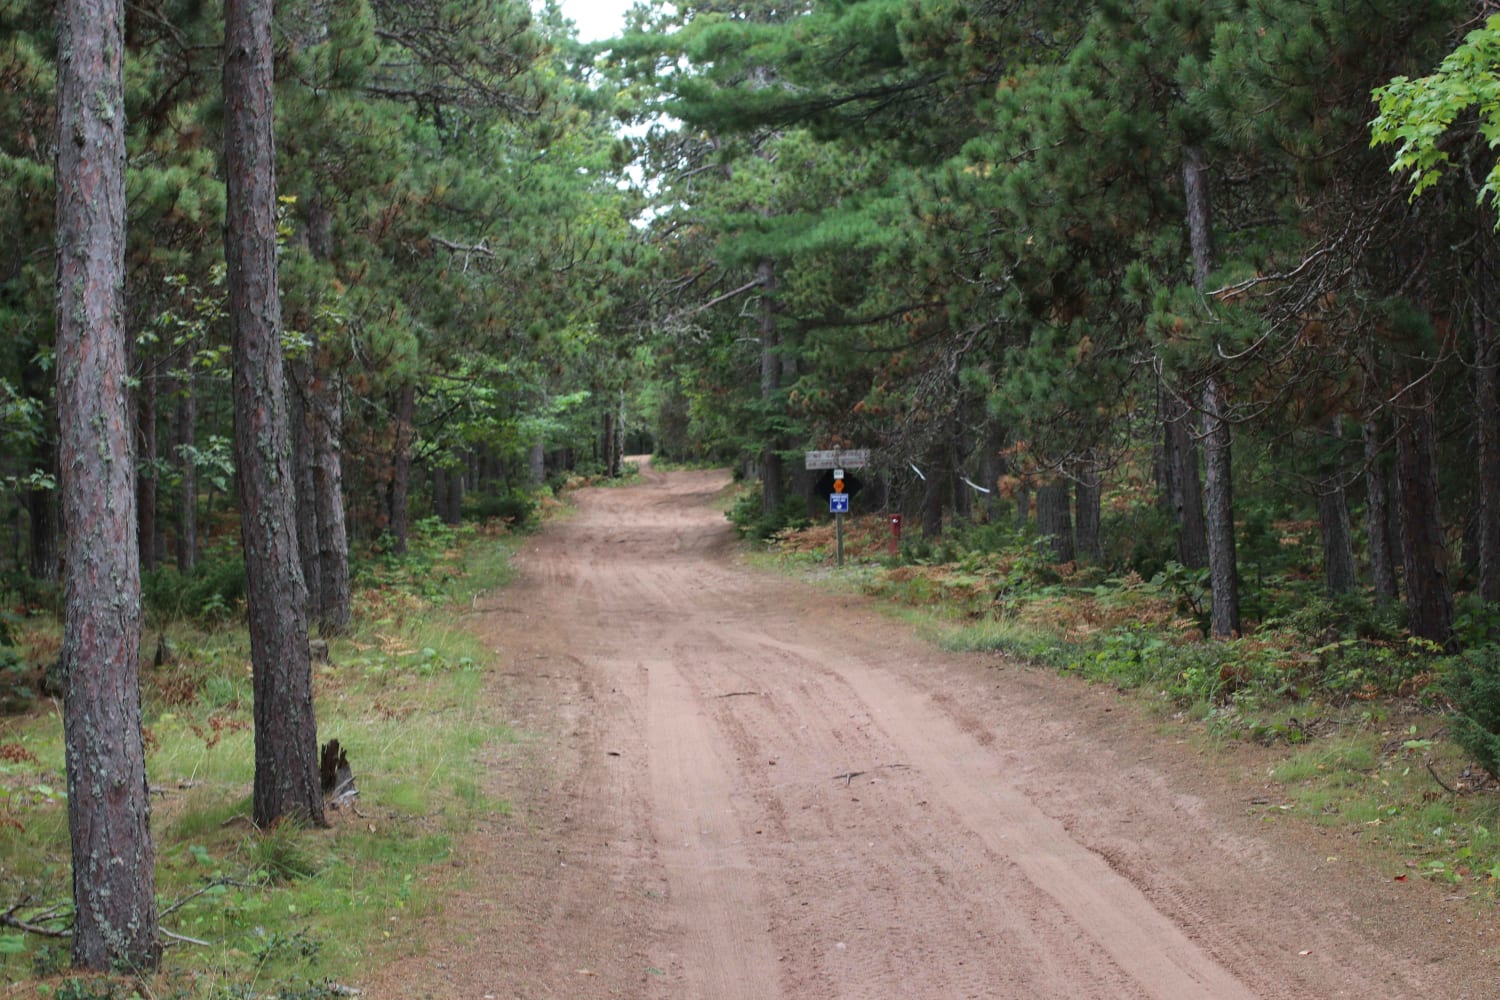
{"type": "Point", "coordinates": [1475, 621]}
{"type": "Point", "coordinates": [26, 591]}
{"type": "Point", "coordinates": [1346, 616]}
{"type": "Point", "coordinates": [212, 592]}
{"type": "Point", "coordinates": [517, 507]}
{"type": "Point", "coordinates": [1141, 537]}
{"type": "Point", "coordinates": [751, 522]}
{"type": "Point", "coordinates": [15, 676]}
{"type": "Point", "coordinates": [1128, 657]}
{"type": "Point", "coordinates": [1190, 587]}
{"type": "Point", "coordinates": [1001, 535]}
{"type": "Point", "coordinates": [1472, 682]}
{"type": "Point", "coordinates": [16, 692]}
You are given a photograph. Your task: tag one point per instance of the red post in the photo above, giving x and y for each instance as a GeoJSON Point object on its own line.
{"type": "Point", "coordinates": [895, 534]}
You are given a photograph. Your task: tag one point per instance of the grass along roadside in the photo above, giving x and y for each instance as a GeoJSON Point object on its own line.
{"type": "Point", "coordinates": [286, 912]}
{"type": "Point", "coordinates": [1346, 715]}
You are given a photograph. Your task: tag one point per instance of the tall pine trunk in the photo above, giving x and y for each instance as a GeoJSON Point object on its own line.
{"type": "Point", "coordinates": [1054, 519]}
{"type": "Point", "coordinates": [963, 501]}
{"type": "Point", "coordinates": [607, 442]}
{"type": "Point", "coordinates": [1338, 546]}
{"type": "Point", "coordinates": [448, 493]}
{"type": "Point", "coordinates": [287, 780]}
{"type": "Point", "coordinates": [933, 490]}
{"type": "Point", "coordinates": [299, 386]}
{"type": "Point", "coordinates": [1218, 492]}
{"type": "Point", "coordinates": [327, 431]}
{"type": "Point", "coordinates": [184, 435]}
{"type": "Point", "coordinates": [43, 515]}
{"type": "Point", "coordinates": [1218, 478]}
{"type": "Point", "coordinates": [1378, 512]}
{"type": "Point", "coordinates": [1023, 502]}
{"type": "Point", "coordinates": [1086, 502]}
{"type": "Point", "coordinates": [772, 475]}
{"type": "Point", "coordinates": [1487, 417]}
{"type": "Point", "coordinates": [44, 534]}
{"type": "Point", "coordinates": [619, 469]}
{"type": "Point", "coordinates": [992, 464]}
{"type": "Point", "coordinates": [1182, 489]}
{"type": "Point", "coordinates": [400, 485]}
{"type": "Point", "coordinates": [317, 423]}
{"type": "Point", "coordinates": [1333, 519]}
{"type": "Point", "coordinates": [146, 478]}
{"type": "Point", "coordinates": [1424, 554]}
{"type": "Point", "coordinates": [109, 806]}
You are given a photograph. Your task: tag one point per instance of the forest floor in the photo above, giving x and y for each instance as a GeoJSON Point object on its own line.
{"type": "Point", "coordinates": [735, 784]}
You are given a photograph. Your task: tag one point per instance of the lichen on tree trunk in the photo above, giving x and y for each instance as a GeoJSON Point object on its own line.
{"type": "Point", "coordinates": [286, 765]}
{"type": "Point", "coordinates": [1218, 478]}
{"type": "Point", "coordinates": [109, 811]}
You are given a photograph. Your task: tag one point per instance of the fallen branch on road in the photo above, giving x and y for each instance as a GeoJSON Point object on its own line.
{"type": "Point", "coordinates": [849, 776]}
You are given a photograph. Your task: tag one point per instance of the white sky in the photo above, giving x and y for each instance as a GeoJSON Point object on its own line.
{"type": "Point", "coordinates": [596, 19]}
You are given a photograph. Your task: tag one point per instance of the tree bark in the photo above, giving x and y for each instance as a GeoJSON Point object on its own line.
{"type": "Point", "coordinates": [1218, 478]}
{"type": "Point", "coordinates": [287, 781]}
{"type": "Point", "coordinates": [1333, 519]}
{"type": "Point", "coordinates": [933, 489]}
{"type": "Point", "coordinates": [326, 556]}
{"type": "Point", "coordinates": [327, 432]}
{"type": "Point", "coordinates": [146, 479]}
{"type": "Point", "coordinates": [1487, 418]}
{"type": "Point", "coordinates": [440, 491]}
{"type": "Point", "coordinates": [619, 467]}
{"type": "Point", "coordinates": [109, 807]}
{"type": "Point", "coordinates": [1183, 490]}
{"type": "Point", "coordinates": [991, 465]}
{"type": "Point", "coordinates": [1023, 502]}
{"type": "Point", "coordinates": [44, 535]}
{"type": "Point", "coordinates": [42, 510]}
{"type": "Point", "coordinates": [322, 538]}
{"type": "Point", "coordinates": [1424, 554]}
{"type": "Point", "coordinates": [1223, 570]}
{"type": "Point", "coordinates": [396, 523]}
{"type": "Point", "coordinates": [1338, 546]}
{"type": "Point", "coordinates": [772, 475]}
{"type": "Point", "coordinates": [1054, 522]}
{"type": "Point", "coordinates": [1086, 500]}
{"type": "Point", "coordinates": [607, 441]}
{"type": "Point", "coordinates": [963, 501]}
{"type": "Point", "coordinates": [448, 493]}
{"type": "Point", "coordinates": [1199, 218]}
{"type": "Point", "coordinates": [536, 464]}
{"type": "Point", "coordinates": [184, 437]}
{"type": "Point", "coordinates": [1378, 513]}
{"type": "Point", "coordinates": [299, 386]}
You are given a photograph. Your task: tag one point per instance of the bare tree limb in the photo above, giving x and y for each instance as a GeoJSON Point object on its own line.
{"type": "Point", "coordinates": [183, 938]}
{"type": "Point", "coordinates": [9, 919]}
{"type": "Point", "coordinates": [722, 298]}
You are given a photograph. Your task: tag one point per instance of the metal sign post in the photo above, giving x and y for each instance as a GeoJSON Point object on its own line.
{"type": "Point", "coordinates": [838, 506]}
{"type": "Point", "coordinates": [837, 460]}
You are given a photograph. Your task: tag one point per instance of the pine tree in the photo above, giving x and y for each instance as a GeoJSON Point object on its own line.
{"type": "Point", "coordinates": [109, 810]}
{"type": "Point", "coordinates": [287, 782]}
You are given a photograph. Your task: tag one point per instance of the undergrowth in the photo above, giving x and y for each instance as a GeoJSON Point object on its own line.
{"type": "Point", "coordinates": [286, 912]}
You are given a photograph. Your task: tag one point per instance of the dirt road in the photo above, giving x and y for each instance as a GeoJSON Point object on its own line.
{"type": "Point", "coordinates": [741, 787]}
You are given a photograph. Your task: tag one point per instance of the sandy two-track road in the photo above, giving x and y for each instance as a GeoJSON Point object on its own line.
{"type": "Point", "coordinates": [740, 787]}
